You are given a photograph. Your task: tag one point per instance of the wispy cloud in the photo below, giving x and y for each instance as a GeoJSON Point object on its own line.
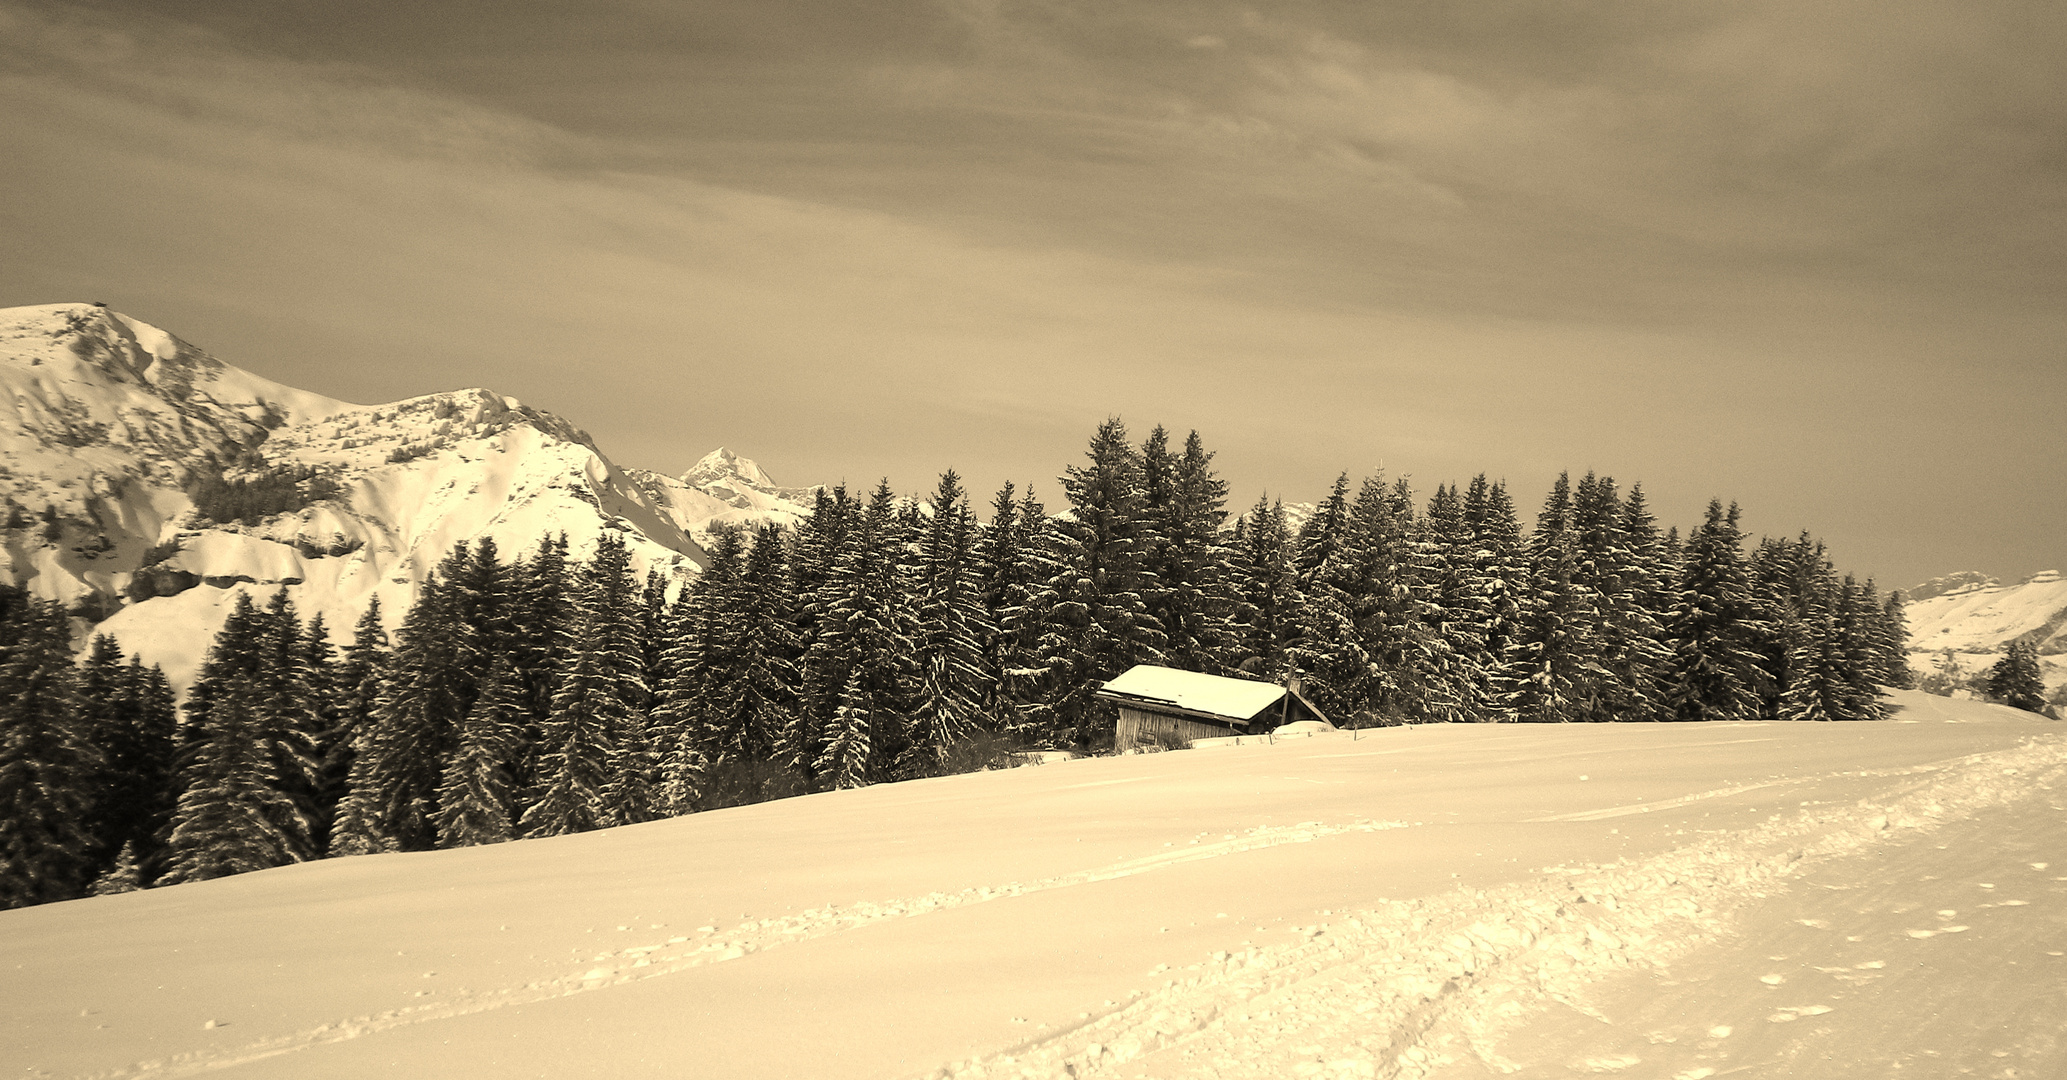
{"type": "Point", "coordinates": [1678, 243]}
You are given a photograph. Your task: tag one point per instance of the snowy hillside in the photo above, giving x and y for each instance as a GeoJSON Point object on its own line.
{"type": "Point", "coordinates": [118, 427]}
{"type": "Point", "coordinates": [1660, 900]}
{"type": "Point", "coordinates": [1976, 616]}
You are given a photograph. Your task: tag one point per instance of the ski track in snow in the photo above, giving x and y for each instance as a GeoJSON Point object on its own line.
{"type": "Point", "coordinates": [1395, 990]}
{"type": "Point", "coordinates": [1405, 988]}
{"type": "Point", "coordinates": [681, 953]}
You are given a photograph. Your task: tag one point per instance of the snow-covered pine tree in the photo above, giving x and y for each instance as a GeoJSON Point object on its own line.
{"type": "Point", "coordinates": [1395, 620]}
{"type": "Point", "coordinates": [476, 797]}
{"type": "Point", "coordinates": [1552, 668]}
{"type": "Point", "coordinates": [1894, 621]}
{"type": "Point", "coordinates": [1186, 511]}
{"type": "Point", "coordinates": [1862, 645]}
{"type": "Point", "coordinates": [48, 762]}
{"type": "Point", "coordinates": [847, 760]}
{"type": "Point", "coordinates": [1713, 672]}
{"type": "Point", "coordinates": [814, 551]}
{"type": "Point", "coordinates": [1625, 639]}
{"type": "Point", "coordinates": [543, 591]}
{"type": "Point", "coordinates": [861, 668]}
{"type": "Point", "coordinates": [153, 748]}
{"type": "Point", "coordinates": [730, 680]}
{"type": "Point", "coordinates": [596, 765]}
{"type": "Point", "coordinates": [1635, 647]}
{"type": "Point", "coordinates": [1500, 574]}
{"type": "Point", "coordinates": [1325, 645]}
{"type": "Point", "coordinates": [134, 725]}
{"type": "Point", "coordinates": [949, 632]}
{"type": "Point", "coordinates": [101, 709]}
{"type": "Point", "coordinates": [326, 701]}
{"type": "Point", "coordinates": [1098, 622]}
{"type": "Point", "coordinates": [770, 644]}
{"type": "Point", "coordinates": [342, 782]}
{"type": "Point", "coordinates": [1266, 598]}
{"type": "Point", "coordinates": [1788, 577]}
{"type": "Point", "coordinates": [652, 632]}
{"type": "Point", "coordinates": [1805, 693]}
{"type": "Point", "coordinates": [694, 707]}
{"type": "Point", "coordinates": [2016, 680]}
{"type": "Point", "coordinates": [674, 726]}
{"type": "Point", "coordinates": [415, 723]}
{"type": "Point", "coordinates": [249, 765]}
{"type": "Point", "coordinates": [1456, 606]}
{"type": "Point", "coordinates": [1017, 554]}
{"type": "Point", "coordinates": [1321, 537]}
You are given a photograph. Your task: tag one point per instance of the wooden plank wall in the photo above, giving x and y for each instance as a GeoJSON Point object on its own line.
{"type": "Point", "coordinates": [1138, 728]}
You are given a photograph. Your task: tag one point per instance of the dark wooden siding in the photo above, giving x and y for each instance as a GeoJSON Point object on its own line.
{"type": "Point", "coordinates": [1139, 727]}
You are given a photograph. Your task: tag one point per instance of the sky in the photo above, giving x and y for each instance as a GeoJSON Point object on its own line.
{"type": "Point", "coordinates": [1809, 258]}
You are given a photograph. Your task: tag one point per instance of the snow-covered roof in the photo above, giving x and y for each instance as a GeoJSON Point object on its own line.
{"type": "Point", "coordinates": [1236, 699]}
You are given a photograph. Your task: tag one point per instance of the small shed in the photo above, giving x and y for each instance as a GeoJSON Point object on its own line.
{"type": "Point", "coordinates": [1157, 701]}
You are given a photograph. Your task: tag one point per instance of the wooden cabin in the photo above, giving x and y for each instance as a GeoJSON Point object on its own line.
{"type": "Point", "coordinates": [1159, 703]}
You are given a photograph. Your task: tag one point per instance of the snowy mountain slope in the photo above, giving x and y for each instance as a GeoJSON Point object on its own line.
{"type": "Point", "coordinates": [118, 426]}
{"type": "Point", "coordinates": [1398, 903]}
{"type": "Point", "coordinates": [724, 489]}
{"type": "Point", "coordinates": [1976, 617]}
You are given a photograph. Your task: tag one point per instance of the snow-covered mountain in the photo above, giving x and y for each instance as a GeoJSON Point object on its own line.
{"type": "Point", "coordinates": [724, 489]}
{"type": "Point", "coordinates": [1974, 617]}
{"type": "Point", "coordinates": [149, 482]}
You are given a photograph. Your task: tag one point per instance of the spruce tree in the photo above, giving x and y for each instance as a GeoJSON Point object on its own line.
{"type": "Point", "coordinates": [596, 765]}
{"type": "Point", "coordinates": [1552, 671]}
{"type": "Point", "coordinates": [127, 711]}
{"type": "Point", "coordinates": [414, 726]}
{"type": "Point", "coordinates": [1394, 619]}
{"type": "Point", "coordinates": [1190, 602]}
{"type": "Point", "coordinates": [1713, 672]}
{"type": "Point", "coordinates": [1266, 599]}
{"type": "Point", "coordinates": [1633, 639]}
{"type": "Point", "coordinates": [1501, 575]}
{"type": "Point", "coordinates": [847, 760]}
{"type": "Point", "coordinates": [476, 797]}
{"type": "Point", "coordinates": [249, 766]}
{"type": "Point", "coordinates": [949, 632]}
{"type": "Point", "coordinates": [2016, 680]}
{"type": "Point", "coordinates": [860, 672]}
{"type": "Point", "coordinates": [1098, 621]}
{"type": "Point", "coordinates": [344, 785]}
{"type": "Point", "coordinates": [1456, 605]}
{"type": "Point", "coordinates": [48, 763]}
{"type": "Point", "coordinates": [1895, 643]}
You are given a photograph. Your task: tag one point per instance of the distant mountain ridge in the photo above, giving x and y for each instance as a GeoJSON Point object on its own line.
{"type": "Point", "coordinates": [1974, 617]}
{"type": "Point", "coordinates": [128, 447]}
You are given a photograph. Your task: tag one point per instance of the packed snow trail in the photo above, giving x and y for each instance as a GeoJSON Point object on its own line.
{"type": "Point", "coordinates": [1413, 988]}
{"type": "Point", "coordinates": [1213, 912]}
{"type": "Point", "coordinates": [1940, 953]}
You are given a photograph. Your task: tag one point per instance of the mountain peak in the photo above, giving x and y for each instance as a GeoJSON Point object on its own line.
{"type": "Point", "coordinates": [722, 465]}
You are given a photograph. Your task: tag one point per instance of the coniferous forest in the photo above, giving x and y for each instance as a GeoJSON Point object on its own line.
{"type": "Point", "coordinates": [886, 638]}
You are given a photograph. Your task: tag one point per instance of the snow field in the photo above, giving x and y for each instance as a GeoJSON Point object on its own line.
{"type": "Point", "coordinates": [1330, 906]}
{"type": "Point", "coordinates": [1411, 987]}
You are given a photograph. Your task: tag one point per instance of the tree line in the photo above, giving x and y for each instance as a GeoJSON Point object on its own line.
{"type": "Point", "coordinates": [888, 638]}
